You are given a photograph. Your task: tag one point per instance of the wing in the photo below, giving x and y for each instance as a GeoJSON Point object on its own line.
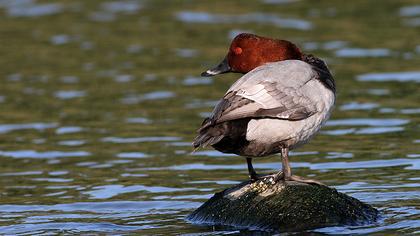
{"type": "Point", "coordinates": [268, 94]}
{"type": "Point", "coordinates": [262, 101]}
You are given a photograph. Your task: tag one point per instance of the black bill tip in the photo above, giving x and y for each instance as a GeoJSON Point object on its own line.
{"type": "Point", "coordinates": [223, 67]}
{"type": "Point", "coordinates": [209, 73]}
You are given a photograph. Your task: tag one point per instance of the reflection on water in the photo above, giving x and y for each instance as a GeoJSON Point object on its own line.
{"type": "Point", "coordinates": [410, 11]}
{"type": "Point", "coordinates": [204, 17]}
{"type": "Point", "coordinates": [42, 155]}
{"type": "Point", "coordinates": [6, 128]}
{"type": "Point", "coordinates": [380, 126]}
{"type": "Point", "coordinates": [69, 94]}
{"type": "Point", "coordinates": [134, 99]}
{"type": "Point", "coordinates": [358, 106]}
{"type": "Point", "coordinates": [331, 45]}
{"type": "Point", "coordinates": [408, 76]}
{"type": "Point", "coordinates": [132, 155]}
{"type": "Point", "coordinates": [40, 218]}
{"type": "Point", "coordinates": [108, 10]}
{"type": "Point", "coordinates": [68, 130]}
{"type": "Point", "coordinates": [60, 39]}
{"type": "Point", "coordinates": [71, 142]}
{"type": "Point", "coordinates": [367, 122]}
{"type": "Point", "coordinates": [189, 81]}
{"type": "Point", "coordinates": [361, 52]}
{"type": "Point", "coordinates": [139, 139]}
{"type": "Point", "coordinates": [29, 8]}
{"type": "Point", "coordinates": [109, 191]}
{"type": "Point", "coordinates": [100, 101]}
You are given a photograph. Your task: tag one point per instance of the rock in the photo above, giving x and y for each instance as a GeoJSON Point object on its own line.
{"type": "Point", "coordinates": [282, 206]}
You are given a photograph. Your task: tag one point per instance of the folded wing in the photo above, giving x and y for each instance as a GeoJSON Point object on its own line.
{"type": "Point", "coordinates": [261, 94]}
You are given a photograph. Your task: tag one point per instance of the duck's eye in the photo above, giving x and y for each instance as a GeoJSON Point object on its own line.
{"type": "Point", "coordinates": [237, 50]}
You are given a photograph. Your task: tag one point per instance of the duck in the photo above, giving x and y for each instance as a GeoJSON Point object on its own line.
{"type": "Point", "coordinates": [282, 100]}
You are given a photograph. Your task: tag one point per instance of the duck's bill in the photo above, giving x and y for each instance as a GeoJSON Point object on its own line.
{"type": "Point", "coordinates": [223, 67]}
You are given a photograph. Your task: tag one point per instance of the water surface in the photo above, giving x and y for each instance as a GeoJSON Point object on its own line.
{"type": "Point", "coordinates": [100, 101]}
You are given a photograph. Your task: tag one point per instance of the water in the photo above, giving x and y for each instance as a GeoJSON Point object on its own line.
{"type": "Point", "coordinates": [100, 102]}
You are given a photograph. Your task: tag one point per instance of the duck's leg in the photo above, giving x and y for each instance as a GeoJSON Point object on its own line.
{"type": "Point", "coordinates": [286, 173]}
{"type": "Point", "coordinates": [252, 174]}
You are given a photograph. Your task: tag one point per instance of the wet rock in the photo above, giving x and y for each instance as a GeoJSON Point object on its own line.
{"type": "Point", "coordinates": [282, 206]}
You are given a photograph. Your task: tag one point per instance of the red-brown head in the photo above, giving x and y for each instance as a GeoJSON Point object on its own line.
{"type": "Point", "coordinates": [248, 51]}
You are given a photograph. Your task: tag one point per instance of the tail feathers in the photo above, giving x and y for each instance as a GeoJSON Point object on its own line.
{"type": "Point", "coordinates": [209, 136]}
{"type": "Point", "coordinates": [204, 140]}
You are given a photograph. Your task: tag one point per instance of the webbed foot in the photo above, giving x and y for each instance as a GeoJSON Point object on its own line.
{"type": "Point", "coordinates": [280, 177]}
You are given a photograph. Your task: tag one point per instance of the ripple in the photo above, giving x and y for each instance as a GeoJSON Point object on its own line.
{"type": "Point", "coordinates": [186, 52]}
{"type": "Point", "coordinates": [122, 6]}
{"type": "Point", "coordinates": [330, 45]}
{"type": "Point", "coordinates": [362, 52]}
{"type": "Point", "coordinates": [199, 104]}
{"type": "Point", "coordinates": [373, 130]}
{"type": "Point", "coordinates": [24, 173]}
{"type": "Point", "coordinates": [358, 230]}
{"type": "Point", "coordinates": [87, 163]}
{"type": "Point", "coordinates": [60, 39]}
{"type": "Point", "coordinates": [69, 79]}
{"type": "Point", "coordinates": [410, 111]}
{"type": "Point", "coordinates": [53, 180]}
{"type": "Point", "coordinates": [414, 22]}
{"type": "Point", "coordinates": [6, 128]}
{"type": "Point", "coordinates": [14, 77]}
{"type": "Point", "coordinates": [358, 106]}
{"type": "Point", "coordinates": [409, 76]}
{"type": "Point", "coordinates": [72, 143]}
{"type": "Point", "coordinates": [28, 8]}
{"type": "Point", "coordinates": [42, 155]}
{"type": "Point", "coordinates": [208, 18]}
{"type": "Point", "coordinates": [221, 182]}
{"type": "Point", "coordinates": [212, 153]}
{"type": "Point", "coordinates": [157, 95]}
{"type": "Point", "coordinates": [334, 155]}
{"type": "Point", "coordinates": [68, 130]}
{"type": "Point", "coordinates": [133, 175]}
{"type": "Point", "coordinates": [338, 131]}
{"type": "Point", "coordinates": [139, 139]}
{"type": "Point", "coordinates": [410, 10]}
{"type": "Point", "coordinates": [109, 10]}
{"type": "Point", "coordinates": [408, 163]}
{"type": "Point", "coordinates": [134, 48]}
{"type": "Point", "coordinates": [352, 186]}
{"type": "Point", "coordinates": [58, 172]}
{"type": "Point", "coordinates": [190, 81]}
{"type": "Point", "coordinates": [367, 122]}
{"type": "Point", "coordinates": [308, 153]}
{"type": "Point", "coordinates": [101, 207]}
{"type": "Point", "coordinates": [411, 164]}
{"type": "Point", "coordinates": [69, 94]}
{"type": "Point", "coordinates": [109, 191]}
{"type": "Point", "coordinates": [138, 120]}
{"type": "Point", "coordinates": [123, 78]}
{"type": "Point", "coordinates": [379, 130]}
{"type": "Point", "coordinates": [132, 155]}
{"type": "Point", "coordinates": [64, 226]}
{"type": "Point", "coordinates": [280, 1]}
{"type": "Point", "coordinates": [379, 92]}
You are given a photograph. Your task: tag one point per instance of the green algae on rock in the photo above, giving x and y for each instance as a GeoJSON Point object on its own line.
{"type": "Point", "coordinates": [282, 206]}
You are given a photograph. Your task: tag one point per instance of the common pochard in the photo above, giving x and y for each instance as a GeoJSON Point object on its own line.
{"type": "Point", "coordinates": [279, 104]}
